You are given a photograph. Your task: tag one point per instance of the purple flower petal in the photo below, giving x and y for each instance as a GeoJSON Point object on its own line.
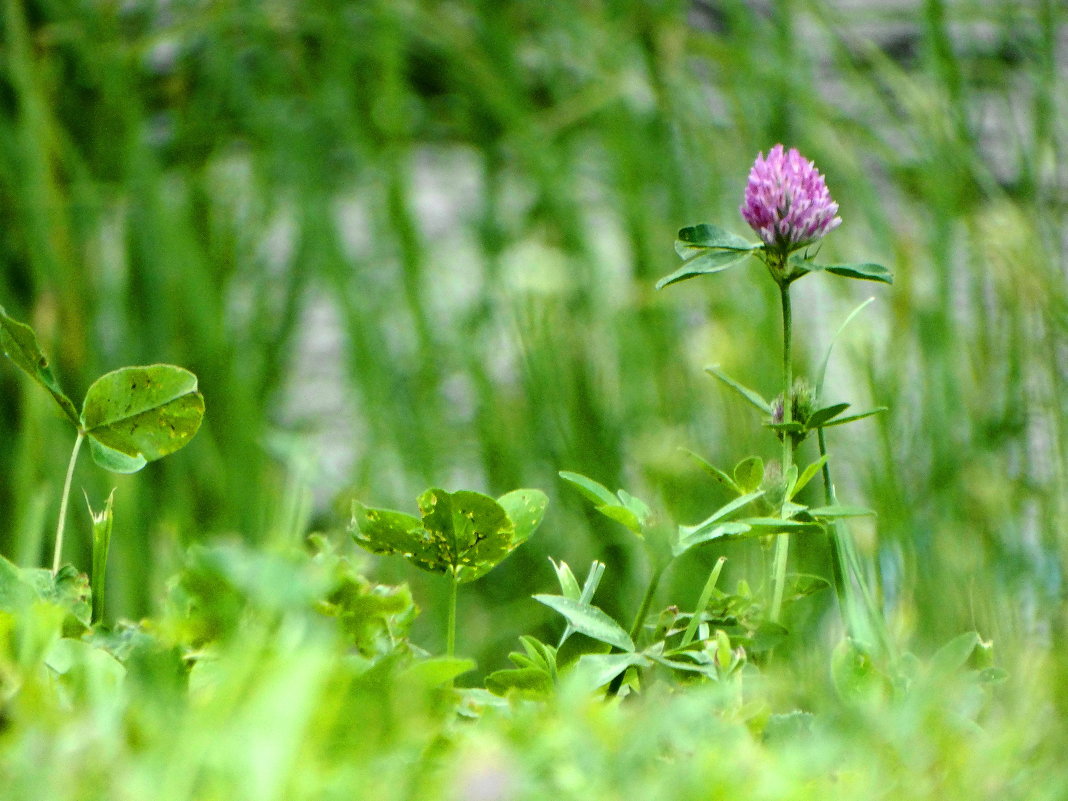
{"type": "Point", "coordinates": [787, 202]}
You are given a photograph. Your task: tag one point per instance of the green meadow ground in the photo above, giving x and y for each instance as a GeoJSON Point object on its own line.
{"type": "Point", "coordinates": [412, 244]}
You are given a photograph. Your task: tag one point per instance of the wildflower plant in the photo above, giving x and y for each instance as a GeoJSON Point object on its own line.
{"type": "Point", "coordinates": [788, 205]}
{"type": "Point", "coordinates": [130, 417]}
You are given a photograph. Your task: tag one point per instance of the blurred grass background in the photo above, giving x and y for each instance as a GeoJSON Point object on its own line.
{"type": "Point", "coordinates": [407, 244]}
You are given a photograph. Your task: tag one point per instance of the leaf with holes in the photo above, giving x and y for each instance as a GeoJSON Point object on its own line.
{"type": "Point", "coordinates": [142, 414]}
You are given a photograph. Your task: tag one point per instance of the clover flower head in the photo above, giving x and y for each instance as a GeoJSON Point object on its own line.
{"type": "Point", "coordinates": [787, 202]}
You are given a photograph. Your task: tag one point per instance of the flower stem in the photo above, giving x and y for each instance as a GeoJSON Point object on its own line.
{"type": "Point", "coordinates": [450, 630]}
{"type": "Point", "coordinates": [58, 553]}
{"type": "Point", "coordinates": [782, 542]}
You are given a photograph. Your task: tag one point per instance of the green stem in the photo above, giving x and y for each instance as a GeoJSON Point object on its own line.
{"type": "Point", "coordinates": [639, 620]}
{"type": "Point", "coordinates": [450, 631]}
{"type": "Point", "coordinates": [702, 603]}
{"type": "Point", "coordinates": [58, 554]}
{"type": "Point", "coordinates": [782, 542]}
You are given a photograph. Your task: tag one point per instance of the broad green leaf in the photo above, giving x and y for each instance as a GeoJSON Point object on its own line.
{"type": "Point", "coordinates": [598, 493]}
{"type": "Point", "coordinates": [805, 584]}
{"type": "Point", "coordinates": [436, 671]}
{"type": "Point", "coordinates": [639, 507]}
{"type": "Point", "coordinates": [471, 531]}
{"type": "Point", "coordinates": [15, 593]}
{"type": "Point", "coordinates": [704, 262]}
{"type": "Point", "coordinates": [622, 515]}
{"type": "Point", "coordinates": [715, 472]}
{"type": "Point", "coordinates": [596, 670]}
{"type": "Point", "coordinates": [390, 532]}
{"type": "Point", "coordinates": [866, 272]}
{"type": "Point", "coordinates": [836, 511]}
{"type": "Point", "coordinates": [114, 460]}
{"type": "Point", "coordinates": [525, 682]}
{"type": "Point", "coordinates": [749, 473]}
{"type": "Point", "coordinates": [750, 395]}
{"type": "Point", "coordinates": [19, 343]}
{"type": "Point", "coordinates": [821, 416]}
{"type": "Point", "coordinates": [142, 412]}
{"type": "Point", "coordinates": [694, 238]}
{"type": "Point", "coordinates": [952, 656]}
{"type": "Point", "coordinates": [525, 508]}
{"type": "Point", "coordinates": [808, 474]}
{"type": "Point", "coordinates": [854, 417]}
{"type": "Point", "coordinates": [589, 620]}
{"type": "Point", "coordinates": [854, 674]}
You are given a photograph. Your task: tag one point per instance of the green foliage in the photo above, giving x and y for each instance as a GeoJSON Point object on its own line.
{"type": "Point", "coordinates": [136, 415]}
{"type": "Point", "coordinates": [464, 533]}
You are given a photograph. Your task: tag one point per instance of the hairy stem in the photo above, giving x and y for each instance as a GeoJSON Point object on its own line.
{"type": "Point", "coordinates": [782, 542]}
{"type": "Point", "coordinates": [58, 553]}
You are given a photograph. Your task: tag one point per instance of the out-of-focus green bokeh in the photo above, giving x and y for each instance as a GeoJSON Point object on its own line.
{"type": "Point", "coordinates": [407, 244]}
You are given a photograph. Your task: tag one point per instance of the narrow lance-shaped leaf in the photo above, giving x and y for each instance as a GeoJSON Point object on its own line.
{"type": "Point", "coordinates": [141, 413]}
{"type": "Point", "coordinates": [593, 490]}
{"type": "Point", "coordinates": [865, 272]}
{"type": "Point", "coordinates": [703, 263]}
{"type": "Point", "coordinates": [750, 395]}
{"type": "Point", "coordinates": [19, 343]}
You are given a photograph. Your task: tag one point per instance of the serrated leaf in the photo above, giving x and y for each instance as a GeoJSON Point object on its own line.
{"type": "Point", "coordinates": [705, 262]}
{"type": "Point", "coordinates": [821, 416]}
{"type": "Point", "coordinates": [865, 272]}
{"type": "Point", "coordinates": [141, 412]}
{"type": "Point", "coordinates": [19, 343]}
{"type": "Point", "coordinates": [526, 509]}
{"type": "Point", "coordinates": [749, 473]}
{"type": "Point", "coordinates": [750, 395]}
{"type": "Point", "coordinates": [589, 620]}
{"type": "Point", "coordinates": [594, 491]}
